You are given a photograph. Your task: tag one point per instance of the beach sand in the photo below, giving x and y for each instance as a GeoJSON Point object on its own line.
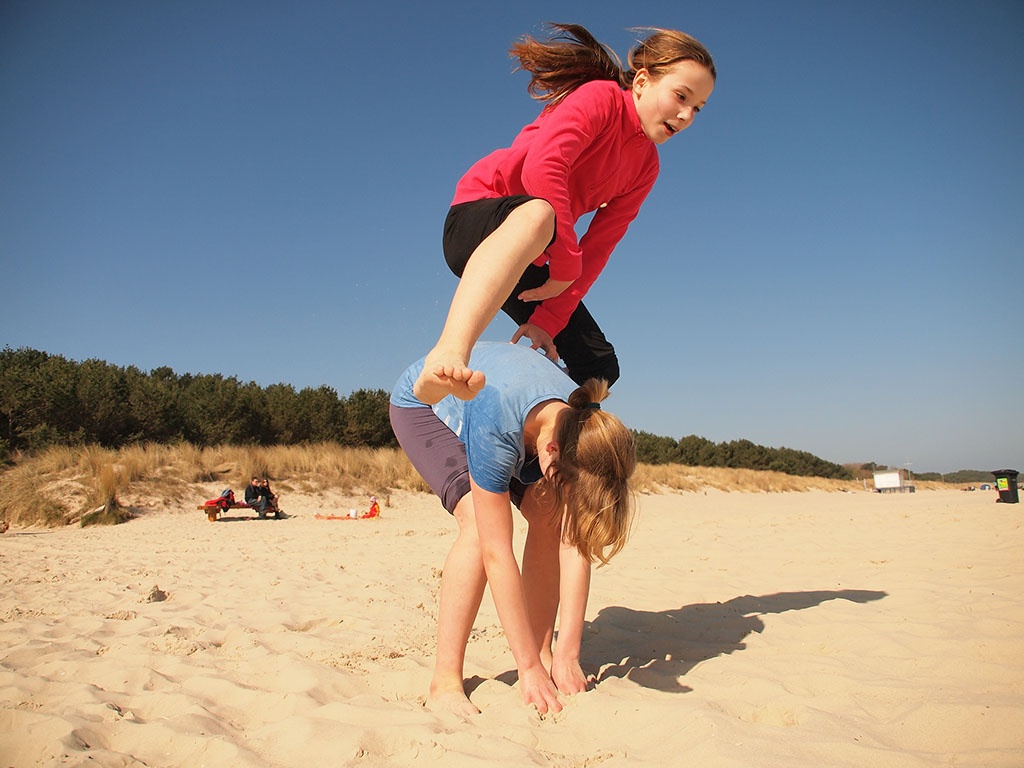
{"type": "Point", "coordinates": [735, 629]}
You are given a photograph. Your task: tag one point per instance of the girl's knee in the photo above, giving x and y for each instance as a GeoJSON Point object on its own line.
{"type": "Point", "coordinates": [465, 515]}
{"type": "Point", "coordinates": [538, 215]}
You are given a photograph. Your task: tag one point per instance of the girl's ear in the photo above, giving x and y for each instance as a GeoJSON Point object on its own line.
{"type": "Point", "coordinates": [640, 80]}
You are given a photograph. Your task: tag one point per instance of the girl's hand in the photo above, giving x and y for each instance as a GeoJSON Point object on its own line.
{"type": "Point", "coordinates": [549, 290]}
{"type": "Point", "coordinates": [568, 675]}
{"type": "Point", "coordinates": [539, 691]}
{"type": "Point", "coordinates": [539, 339]}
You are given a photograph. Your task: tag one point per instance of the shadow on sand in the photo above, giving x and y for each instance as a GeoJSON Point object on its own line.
{"type": "Point", "coordinates": [250, 518]}
{"type": "Point", "coordinates": [655, 648]}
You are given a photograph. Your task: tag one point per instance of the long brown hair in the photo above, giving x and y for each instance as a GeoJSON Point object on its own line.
{"type": "Point", "coordinates": [572, 56]}
{"type": "Point", "coordinates": [597, 457]}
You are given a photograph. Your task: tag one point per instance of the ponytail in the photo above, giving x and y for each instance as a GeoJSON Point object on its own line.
{"type": "Point", "coordinates": [572, 56]}
{"type": "Point", "coordinates": [597, 457]}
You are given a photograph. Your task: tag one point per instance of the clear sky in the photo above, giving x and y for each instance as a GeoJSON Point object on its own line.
{"type": "Point", "coordinates": [830, 261]}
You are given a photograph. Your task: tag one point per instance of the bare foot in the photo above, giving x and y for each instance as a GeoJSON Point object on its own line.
{"type": "Point", "coordinates": [440, 377]}
{"type": "Point", "coordinates": [451, 700]}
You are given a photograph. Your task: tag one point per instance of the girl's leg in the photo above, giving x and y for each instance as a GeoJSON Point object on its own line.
{"type": "Point", "coordinates": [440, 458]}
{"type": "Point", "coordinates": [541, 570]}
{"type": "Point", "coordinates": [555, 579]}
{"type": "Point", "coordinates": [584, 350]}
{"type": "Point", "coordinates": [490, 275]}
{"type": "Point", "coordinates": [462, 589]}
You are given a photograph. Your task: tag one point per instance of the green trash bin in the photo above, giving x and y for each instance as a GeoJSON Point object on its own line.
{"type": "Point", "coordinates": [1006, 484]}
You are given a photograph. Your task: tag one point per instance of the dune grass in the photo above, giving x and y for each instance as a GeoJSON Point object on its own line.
{"type": "Point", "coordinates": [61, 486]}
{"type": "Point", "coordinates": [651, 478]}
{"type": "Point", "coordinates": [91, 485]}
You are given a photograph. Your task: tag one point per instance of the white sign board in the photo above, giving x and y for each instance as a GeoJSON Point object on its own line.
{"type": "Point", "coordinates": [888, 479]}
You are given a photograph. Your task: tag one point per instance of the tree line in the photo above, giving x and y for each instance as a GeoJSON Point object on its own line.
{"type": "Point", "coordinates": [48, 399]}
{"type": "Point", "coordinates": [697, 451]}
{"type": "Point", "coordinates": [865, 471]}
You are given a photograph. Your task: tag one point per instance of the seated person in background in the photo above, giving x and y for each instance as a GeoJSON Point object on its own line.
{"type": "Point", "coordinates": [269, 498]}
{"type": "Point", "coordinates": [374, 508]}
{"type": "Point", "coordinates": [255, 497]}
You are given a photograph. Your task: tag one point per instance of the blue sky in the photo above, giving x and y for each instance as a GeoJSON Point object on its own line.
{"type": "Point", "coordinates": [830, 261]}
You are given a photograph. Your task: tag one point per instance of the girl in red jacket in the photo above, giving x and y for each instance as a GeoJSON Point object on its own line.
{"type": "Point", "coordinates": [510, 233]}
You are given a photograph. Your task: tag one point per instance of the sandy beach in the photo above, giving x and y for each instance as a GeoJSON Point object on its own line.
{"type": "Point", "coordinates": [736, 629]}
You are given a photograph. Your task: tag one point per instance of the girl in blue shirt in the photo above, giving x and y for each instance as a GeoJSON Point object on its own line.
{"type": "Point", "coordinates": [532, 438]}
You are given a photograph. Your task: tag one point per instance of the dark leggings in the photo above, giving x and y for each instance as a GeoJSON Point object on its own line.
{"type": "Point", "coordinates": [438, 455]}
{"type": "Point", "coordinates": [587, 354]}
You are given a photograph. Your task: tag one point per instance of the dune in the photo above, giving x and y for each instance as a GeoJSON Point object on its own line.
{"type": "Point", "coordinates": [735, 629]}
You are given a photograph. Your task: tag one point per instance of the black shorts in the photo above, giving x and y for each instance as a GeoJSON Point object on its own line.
{"type": "Point", "coordinates": [468, 224]}
{"type": "Point", "coordinates": [586, 352]}
{"type": "Point", "coordinates": [438, 455]}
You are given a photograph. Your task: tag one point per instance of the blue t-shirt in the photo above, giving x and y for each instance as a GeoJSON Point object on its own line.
{"type": "Point", "coordinates": [491, 424]}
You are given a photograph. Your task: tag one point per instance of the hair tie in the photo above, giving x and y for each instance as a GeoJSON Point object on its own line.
{"type": "Point", "coordinates": [595, 406]}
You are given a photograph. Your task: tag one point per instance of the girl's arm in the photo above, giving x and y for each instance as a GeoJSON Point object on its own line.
{"type": "Point", "coordinates": [604, 233]}
{"type": "Point", "coordinates": [567, 133]}
{"type": "Point", "coordinates": [560, 138]}
{"type": "Point", "coordinates": [574, 589]}
{"type": "Point", "coordinates": [494, 528]}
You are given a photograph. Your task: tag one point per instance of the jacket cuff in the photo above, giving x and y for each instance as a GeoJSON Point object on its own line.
{"type": "Point", "coordinates": [547, 322]}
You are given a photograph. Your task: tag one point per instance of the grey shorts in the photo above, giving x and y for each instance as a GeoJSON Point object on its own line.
{"type": "Point", "coordinates": [438, 455]}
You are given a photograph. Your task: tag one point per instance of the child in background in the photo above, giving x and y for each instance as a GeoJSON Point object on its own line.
{"type": "Point", "coordinates": [510, 233]}
{"type": "Point", "coordinates": [530, 438]}
{"type": "Point", "coordinates": [374, 508]}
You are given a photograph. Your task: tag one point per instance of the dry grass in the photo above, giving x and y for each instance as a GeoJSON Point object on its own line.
{"type": "Point", "coordinates": [61, 486]}
{"type": "Point", "coordinates": [676, 477]}
{"type": "Point", "coordinates": [109, 480]}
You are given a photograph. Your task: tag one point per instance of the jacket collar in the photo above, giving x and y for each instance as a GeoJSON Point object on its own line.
{"type": "Point", "coordinates": [631, 115]}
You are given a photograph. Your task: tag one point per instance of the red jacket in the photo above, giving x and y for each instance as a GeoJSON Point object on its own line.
{"type": "Point", "coordinates": [588, 153]}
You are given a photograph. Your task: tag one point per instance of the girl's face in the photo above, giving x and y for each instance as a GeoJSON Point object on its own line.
{"type": "Point", "coordinates": [668, 103]}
